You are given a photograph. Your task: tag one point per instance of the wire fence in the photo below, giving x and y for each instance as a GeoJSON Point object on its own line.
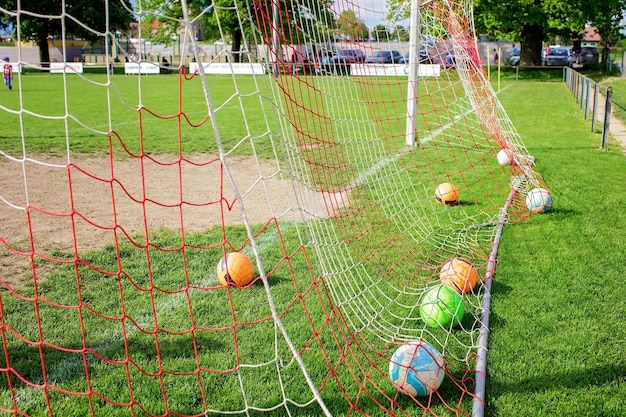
{"type": "Point", "coordinates": [594, 99]}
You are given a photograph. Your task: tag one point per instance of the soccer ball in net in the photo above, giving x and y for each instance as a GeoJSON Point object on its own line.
{"type": "Point", "coordinates": [539, 200]}
{"type": "Point", "coordinates": [504, 157]}
{"type": "Point", "coordinates": [441, 306]}
{"type": "Point", "coordinates": [417, 369]}
{"type": "Point", "coordinates": [447, 193]}
{"type": "Point", "coordinates": [235, 268]}
{"type": "Point", "coordinates": [459, 274]}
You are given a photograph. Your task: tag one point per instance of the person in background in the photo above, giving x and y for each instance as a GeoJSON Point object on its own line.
{"type": "Point", "coordinates": [7, 72]}
{"type": "Point", "coordinates": [495, 56]}
{"type": "Point", "coordinates": [294, 63]}
{"type": "Point", "coordinates": [514, 50]}
{"type": "Point", "coordinates": [450, 60]}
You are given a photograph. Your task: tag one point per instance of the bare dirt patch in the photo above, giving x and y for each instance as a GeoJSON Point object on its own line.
{"type": "Point", "coordinates": [48, 206]}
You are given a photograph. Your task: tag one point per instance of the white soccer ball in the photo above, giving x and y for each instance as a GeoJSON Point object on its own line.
{"type": "Point", "coordinates": [504, 157]}
{"type": "Point", "coordinates": [417, 369]}
{"type": "Point", "coordinates": [539, 200]}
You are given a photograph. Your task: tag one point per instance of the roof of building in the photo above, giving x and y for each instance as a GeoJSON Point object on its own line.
{"type": "Point", "coordinates": [591, 35]}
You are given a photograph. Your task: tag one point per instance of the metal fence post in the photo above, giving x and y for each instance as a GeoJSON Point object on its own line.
{"type": "Point", "coordinates": [587, 99]}
{"type": "Point", "coordinates": [583, 88]}
{"type": "Point", "coordinates": [607, 117]}
{"type": "Point", "coordinates": [594, 112]}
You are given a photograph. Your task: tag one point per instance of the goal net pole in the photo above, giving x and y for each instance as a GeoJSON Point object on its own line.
{"type": "Point", "coordinates": [412, 86]}
{"type": "Point", "coordinates": [275, 39]}
{"type": "Point", "coordinates": [478, 406]}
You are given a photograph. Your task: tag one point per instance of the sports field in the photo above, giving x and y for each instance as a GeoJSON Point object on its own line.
{"type": "Point", "coordinates": [557, 345]}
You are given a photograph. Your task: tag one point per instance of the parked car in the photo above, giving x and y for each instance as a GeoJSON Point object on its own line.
{"type": "Point", "coordinates": [585, 56]}
{"type": "Point", "coordinates": [424, 57]}
{"type": "Point", "coordinates": [332, 63]}
{"type": "Point", "coordinates": [385, 57]}
{"type": "Point", "coordinates": [352, 55]}
{"type": "Point", "coordinates": [557, 55]}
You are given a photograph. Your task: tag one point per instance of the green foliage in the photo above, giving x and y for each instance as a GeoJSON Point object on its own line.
{"type": "Point", "coordinates": [380, 33]}
{"type": "Point", "coordinates": [351, 27]}
{"type": "Point", "coordinates": [538, 21]}
{"type": "Point", "coordinates": [236, 20]}
{"type": "Point", "coordinates": [314, 19]}
{"type": "Point", "coordinates": [398, 10]}
{"type": "Point", "coordinates": [35, 24]}
{"type": "Point", "coordinates": [567, 19]}
{"type": "Point", "coordinates": [87, 12]}
{"type": "Point", "coordinates": [400, 33]}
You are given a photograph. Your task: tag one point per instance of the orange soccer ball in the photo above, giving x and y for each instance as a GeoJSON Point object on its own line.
{"type": "Point", "coordinates": [447, 193]}
{"type": "Point", "coordinates": [235, 268]}
{"type": "Point", "coordinates": [459, 274]}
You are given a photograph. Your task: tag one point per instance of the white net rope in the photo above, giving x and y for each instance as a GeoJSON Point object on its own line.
{"type": "Point", "coordinates": [128, 175]}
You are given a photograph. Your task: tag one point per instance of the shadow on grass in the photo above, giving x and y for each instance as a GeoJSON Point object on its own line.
{"type": "Point", "coordinates": [571, 379]}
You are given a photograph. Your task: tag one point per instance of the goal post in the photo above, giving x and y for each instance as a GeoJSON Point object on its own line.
{"type": "Point", "coordinates": [414, 62]}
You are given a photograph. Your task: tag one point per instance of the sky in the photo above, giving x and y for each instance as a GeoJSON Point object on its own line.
{"type": "Point", "coordinates": [370, 12]}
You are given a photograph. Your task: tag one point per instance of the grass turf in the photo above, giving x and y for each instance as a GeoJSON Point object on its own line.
{"type": "Point", "coordinates": [557, 342]}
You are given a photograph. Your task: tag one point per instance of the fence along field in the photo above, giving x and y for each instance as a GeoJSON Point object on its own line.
{"type": "Point", "coordinates": [155, 179]}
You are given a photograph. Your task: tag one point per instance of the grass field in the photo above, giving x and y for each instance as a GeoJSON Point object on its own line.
{"type": "Point", "coordinates": [557, 345]}
{"type": "Point", "coordinates": [619, 96]}
{"type": "Point", "coordinates": [92, 97]}
{"type": "Point", "coordinates": [558, 341]}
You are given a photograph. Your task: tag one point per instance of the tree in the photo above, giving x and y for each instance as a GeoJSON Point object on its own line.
{"type": "Point", "coordinates": [400, 33]}
{"type": "Point", "coordinates": [380, 33]}
{"type": "Point", "coordinates": [297, 21]}
{"type": "Point", "coordinates": [532, 22]}
{"type": "Point", "coordinates": [351, 27]}
{"type": "Point", "coordinates": [88, 12]}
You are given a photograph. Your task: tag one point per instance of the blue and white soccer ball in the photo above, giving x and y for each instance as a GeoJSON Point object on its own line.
{"type": "Point", "coordinates": [539, 200]}
{"type": "Point", "coordinates": [417, 369]}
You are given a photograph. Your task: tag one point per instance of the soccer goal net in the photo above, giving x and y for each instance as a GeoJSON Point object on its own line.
{"type": "Point", "coordinates": [237, 207]}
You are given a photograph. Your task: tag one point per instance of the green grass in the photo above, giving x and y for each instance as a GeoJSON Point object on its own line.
{"type": "Point", "coordinates": [146, 312]}
{"type": "Point", "coordinates": [91, 99]}
{"type": "Point", "coordinates": [557, 342]}
{"type": "Point", "coordinates": [619, 96]}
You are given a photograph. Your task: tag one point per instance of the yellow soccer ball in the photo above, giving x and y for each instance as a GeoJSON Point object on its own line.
{"type": "Point", "coordinates": [235, 268]}
{"type": "Point", "coordinates": [447, 193]}
{"type": "Point", "coordinates": [459, 274]}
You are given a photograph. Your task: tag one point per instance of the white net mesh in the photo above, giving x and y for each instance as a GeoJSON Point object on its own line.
{"type": "Point", "coordinates": [129, 172]}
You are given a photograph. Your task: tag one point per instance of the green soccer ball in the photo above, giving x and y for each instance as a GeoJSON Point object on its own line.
{"type": "Point", "coordinates": [441, 306]}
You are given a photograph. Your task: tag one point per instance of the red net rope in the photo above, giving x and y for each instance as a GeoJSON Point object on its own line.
{"type": "Point", "coordinates": [111, 299]}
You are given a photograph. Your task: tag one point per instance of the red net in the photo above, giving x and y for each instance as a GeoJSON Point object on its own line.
{"type": "Point", "coordinates": [114, 299]}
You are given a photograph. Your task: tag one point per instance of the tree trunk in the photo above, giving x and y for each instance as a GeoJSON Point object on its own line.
{"type": "Point", "coordinates": [236, 45]}
{"type": "Point", "coordinates": [532, 43]}
{"type": "Point", "coordinates": [44, 51]}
